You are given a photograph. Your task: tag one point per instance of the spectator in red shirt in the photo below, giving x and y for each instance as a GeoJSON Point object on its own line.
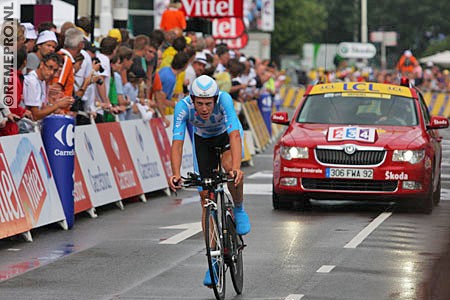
{"type": "Point", "coordinates": [12, 128]}
{"type": "Point", "coordinates": [173, 17]}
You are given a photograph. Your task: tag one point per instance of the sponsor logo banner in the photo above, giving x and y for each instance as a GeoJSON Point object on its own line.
{"type": "Point", "coordinates": [213, 8]}
{"type": "Point", "coordinates": [120, 159]}
{"type": "Point", "coordinates": [13, 218]}
{"type": "Point", "coordinates": [80, 192]}
{"type": "Point", "coordinates": [33, 178]}
{"type": "Point", "coordinates": [144, 153]}
{"type": "Point", "coordinates": [162, 144]}
{"type": "Point", "coordinates": [95, 166]}
{"type": "Point", "coordinates": [187, 162]}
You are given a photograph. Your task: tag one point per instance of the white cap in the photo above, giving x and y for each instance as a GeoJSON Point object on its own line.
{"type": "Point", "coordinates": [30, 33]}
{"type": "Point", "coordinates": [201, 58]}
{"type": "Point", "coordinates": [46, 36]}
{"type": "Point", "coordinates": [408, 53]}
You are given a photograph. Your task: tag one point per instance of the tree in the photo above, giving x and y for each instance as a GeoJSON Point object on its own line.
{"type": "Point", "coordinates": [296, 22]}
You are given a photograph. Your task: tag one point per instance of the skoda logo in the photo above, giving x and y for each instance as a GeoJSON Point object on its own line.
{"type": "Point", "coordinates": [349, 149]}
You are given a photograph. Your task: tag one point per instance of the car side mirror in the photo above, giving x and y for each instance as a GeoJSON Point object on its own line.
{"type": "Point", "coordinates": [438, 122]}
{"type": "Point", "coordinates": [280, 117]}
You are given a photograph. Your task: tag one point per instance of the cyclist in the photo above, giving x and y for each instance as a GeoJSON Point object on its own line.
{"type": "Point", "coordinates": [215, 123]}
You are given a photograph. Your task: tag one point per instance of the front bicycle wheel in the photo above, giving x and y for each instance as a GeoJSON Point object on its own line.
{"type": "Point", "coordinates": [214, 253]}
{"type": "Point", "coordinates": [236, 245]}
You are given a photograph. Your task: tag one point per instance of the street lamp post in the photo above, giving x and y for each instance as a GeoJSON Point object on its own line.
{"type": "Point", "coordinates": [363, 21]}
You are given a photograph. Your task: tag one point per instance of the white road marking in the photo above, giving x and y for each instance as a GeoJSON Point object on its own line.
{"type": "Point", "coordinates": [191, 229]}
{"type": "Point", "coordinates": [325, 269]}
{"type": "Point", "coordinates": [294, 297]}
{"type": "Point", "coordinates": [367, 230]}
{"type": "Point", "coordinates": [263, 174]}
{"type": "Point", "coordinates": [14, 249]}
{"type": "Point", "coordinates": [257, 189]}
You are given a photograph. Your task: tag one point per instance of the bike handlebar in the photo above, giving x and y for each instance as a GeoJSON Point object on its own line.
{"type": "Point", "coordinates": [193, 179]}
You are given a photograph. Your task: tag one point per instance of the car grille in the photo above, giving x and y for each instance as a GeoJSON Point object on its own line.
{"type": "Point", "coordinates": [360, 157]}
{"type": "Point", "coordinates": [349, 185]}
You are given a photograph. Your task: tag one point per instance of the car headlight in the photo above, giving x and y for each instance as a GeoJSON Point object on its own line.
{"type": "Point", "coordinates": [411, 156]}
{"type": "Point", "coordinates": [289, 153]}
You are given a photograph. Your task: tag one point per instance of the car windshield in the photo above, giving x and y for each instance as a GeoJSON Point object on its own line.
{"type": "Point", "coordinates": [363, 109]}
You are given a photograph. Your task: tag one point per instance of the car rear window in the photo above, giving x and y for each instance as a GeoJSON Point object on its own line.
{"type": "Point", "coordinates": [359, 109]}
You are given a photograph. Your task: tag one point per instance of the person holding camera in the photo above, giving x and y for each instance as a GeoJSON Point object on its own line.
{"type": "Point", "coordinates": [35, 87]}
{"type": "Point", "coordinates": [108, 47]}
{"type": "Point", "coordinates": [86, 69]}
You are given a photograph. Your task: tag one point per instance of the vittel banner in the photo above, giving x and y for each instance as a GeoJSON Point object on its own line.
{"type": "Point", "coordinates": [213, 8]}
{"type": "Point", "coordinates": [28, 194]}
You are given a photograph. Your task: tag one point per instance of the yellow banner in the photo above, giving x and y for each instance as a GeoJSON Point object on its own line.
{"type": "Point", "coordinates": [361, 87]}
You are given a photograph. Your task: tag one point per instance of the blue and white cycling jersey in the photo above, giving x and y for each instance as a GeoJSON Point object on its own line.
{"type": "Point", "coordinates": [223, 118]}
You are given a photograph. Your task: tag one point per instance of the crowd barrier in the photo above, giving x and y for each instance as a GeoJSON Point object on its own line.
{"type": "Point", "coordinates": [112, 162]}
{"type": "Point", "coordinates": [438, 102]}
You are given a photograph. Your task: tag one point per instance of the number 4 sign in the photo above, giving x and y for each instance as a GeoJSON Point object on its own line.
{"type": "Point", "coordinates": [351, 134]}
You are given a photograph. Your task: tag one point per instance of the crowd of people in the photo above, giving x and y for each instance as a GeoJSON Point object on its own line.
{"type": "Point", "coordinates": [427, 77]}
{"type": "Point", "coordinates": [59, 71]}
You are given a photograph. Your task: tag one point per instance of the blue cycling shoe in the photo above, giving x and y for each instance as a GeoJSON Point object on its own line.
{"type": "Point", "coordinates": [242, 221]}
{"type": "Point", "coordinates": [207, 281]}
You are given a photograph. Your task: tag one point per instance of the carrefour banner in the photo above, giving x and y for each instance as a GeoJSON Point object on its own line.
{"type": "Point", "coordinates": [120, 160]}
{"type": "Point", "coordinates": [82, 200]}
{"type": "Point", "coordinates": [162, 144]}
{"type": "Point", "coordinates": [28, 194]}
{"type": "Point", "coordinates": [144, 154]}
{"type": "Point", "coordinates": [94, 165]}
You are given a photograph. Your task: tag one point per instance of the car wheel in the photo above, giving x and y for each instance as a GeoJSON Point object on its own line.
{"type": "Point", "coordinates": [426, 204]}
{"type": "Point", "coordinates": [281, 202]}
{"type": "Point", "coordinates": [437, 194]}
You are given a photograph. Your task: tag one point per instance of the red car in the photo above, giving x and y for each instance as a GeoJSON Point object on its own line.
{"type": "Point", "coordinates": [359, 140]}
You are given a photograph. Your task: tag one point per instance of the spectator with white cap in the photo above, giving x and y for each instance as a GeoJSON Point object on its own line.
{"type": "Point", "coordinates": [46, 43]}
{"type": "Point", "coordinates": [196, 68]}
{"type": "Point", "coordinates": [30, 36]}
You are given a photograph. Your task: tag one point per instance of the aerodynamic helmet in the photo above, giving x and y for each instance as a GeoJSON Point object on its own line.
{"type": "Point", "coordinates": [204, 87]}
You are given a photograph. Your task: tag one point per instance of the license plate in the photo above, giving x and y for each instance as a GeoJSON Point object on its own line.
{"type": "Point", "coordinates": [349, 173]}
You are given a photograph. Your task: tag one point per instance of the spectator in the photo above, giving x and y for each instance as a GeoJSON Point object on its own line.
{"type": "Point", "coordinates": [135, 77]}
{"type": "Point", "coordinates": [108, 47]}
{"type": "Point", "coordinates": [173, 17]}
{"type": "Point", "coordinates": [84, 24]}
{"type": "Point", "coordinates": [30, 36]}
{"type": "Point", "coordinates": [12, 128]}
{"type": "Point", "coordinates": [168, 79]}
{"type": "Point", "coordinates": [73, 44]}
{"type": "Point", "coordinates": [407, 63]}
{"type": "Point", "coordinates": [196, 68]}
{"type": "Point", "coordinates": [179, 44]}
{"type": "Point", "coordinates": [34, 89]}
{"type": "Point", "coordinates": [45, 44]}
{"type": "Point", "coordinates": [50, 26]}
{"type": "Point", "coordinates": [223, 55]}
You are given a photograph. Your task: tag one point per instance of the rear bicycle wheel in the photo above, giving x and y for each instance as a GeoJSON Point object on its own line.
{"type": "Point", "coordinates": [214, 253]}
{"type": "Point", "coordinates": [236, 263]}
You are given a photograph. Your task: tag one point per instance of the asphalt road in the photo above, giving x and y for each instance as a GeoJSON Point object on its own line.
{"type": "Point", "coordinates": [323, 254]}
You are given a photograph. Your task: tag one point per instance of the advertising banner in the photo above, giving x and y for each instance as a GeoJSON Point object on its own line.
{"type": "Point", "coordinates": [80, 192]}
{"type": "Point", "coordinates": [95, 166]}
{"type": "Point", "coordinates": [120, 160]}
{"type": "Point", "coordinates": [228, 28]}
{"type": "Point", "coordinates": [162, 144]}
{"type": "Point", "coordinates": [187, 163]}
{"type": "Point", "coordinates": [58, 139]}
{"type": "Point", "coordinates": [145, 156]}
{"type": "Point", "coordinates": [213, 8]}
{"type": "Point", "coordinates": [28, 179]}
{"type": "Point", "coordinates": [265, 106]}
{"type": "Point", "coordinates": [13, 218]}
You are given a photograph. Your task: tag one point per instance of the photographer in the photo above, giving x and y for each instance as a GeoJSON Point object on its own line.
{"type": "Point", "coordinates": [86, 69]}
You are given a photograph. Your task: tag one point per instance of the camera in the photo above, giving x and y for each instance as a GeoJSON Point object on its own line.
{"type": "Point", "coordinates": [96, 60]}
{"type": "Point", "coordinates": [77, 104]}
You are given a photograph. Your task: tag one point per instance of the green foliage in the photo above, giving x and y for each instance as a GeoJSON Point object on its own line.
{"type": "Point", "coordinates": [296, 22]}
{"type": "Point", "coordinates": [417, 23]}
